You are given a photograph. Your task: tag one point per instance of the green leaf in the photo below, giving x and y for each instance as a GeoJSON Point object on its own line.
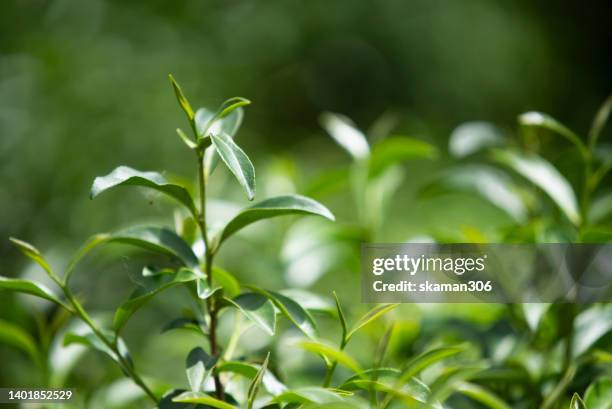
{"type": "Point", "coordinates": [540, 120]}
{"type": "Point", "coordinates": [203, 399]}
{"type": "Point", "coordinates": [237, 162]}
{"type": "Point", "coordinates": [490, 183]}
{"type": "Point", "coordinates": [480, 394]}
{"type": "Point", "coordinates": [308, 395]}
{"type": "Point", "coordinates": [258, 309]}
{"type": "Point", "coordinates": [249, 370]}
{"type": "Point", "coordinates": [126, 176]}
{"type": "Point", "coordinates": [471, 137]}
{"type": "Point", "coordinates": [577, 402]}
{"type": "Point", "coordinates": [398, 149]}
{"type": "Point", "coordinates": [600, 121]}
{"type": "Point", "coordinates": [590, 326]}
{"type": "Point", "coordinates": [152, 286]}
{"type": "Point", "coordinates": [370, 316]}
{"type": "Point", "coordinates": [274, 207]}
{"type": "Point", "coordinates": [346, 134]}
{"type": "Point", "coordinates": [299, 316]}
{"type": "Point", "coordinates": [447, 383]}
{"type": "Point", "coordinates": [182, 100]}
{"type": "Point", "coordinates": [426, 359]}
{"type": "Point", "coordinates": [187, 140]}
{"type": "Point", "coordinates": [185, 323]}
{"type": "Point", "coordinates": [91, 340]}
{"type": "Point", "coordinates": [197, 366]}
{"type": "Point", "coordinates": [545, 176]}
{"type": "Point", "coordinates": [32, 253]}
{"type": "Point", "coordinates": [601, 208]}
{"type": "Point", "coordinates": [341, 318]}
{"type": "Point", "coordinates": [156, 239]}
{"type": "Point", "coordinates": [227, 281]}
{"type": "Point", "coordinates": [205, 123]}
{"type": "Point", "coordinates": [14, 335]}
{"type": "Point", "coordinates": [32, 288]}
{"type": "Point", "coordinates": [411, 393]}
{"type": "Point", "coordinates": [256, 382]}
{"type": "Point", "coordinates": [230, 105]}
{"type": "Point", "coordinates": [599, 394]}
{"type": "Point", "coordinates": [372, 373]}
{"type": "Point", "coordinates": [331, 354]}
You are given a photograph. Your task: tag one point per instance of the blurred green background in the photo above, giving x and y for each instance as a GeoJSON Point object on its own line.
{"type": "Point", "coordinates": [83, 88]}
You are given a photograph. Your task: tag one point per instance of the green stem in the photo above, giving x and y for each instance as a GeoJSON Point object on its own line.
{"type": "Point", "coordinates": [208, 263]}
{"type": "Point", "coordinates": [331, 368]}
{"type": "Point", "coordinates": [125, 365]}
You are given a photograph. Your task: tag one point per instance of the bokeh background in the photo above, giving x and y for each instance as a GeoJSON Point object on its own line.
{"type": "Point", "coordinates": [83, 88]}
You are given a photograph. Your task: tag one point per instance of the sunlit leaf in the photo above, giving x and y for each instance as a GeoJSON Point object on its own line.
{"type": "Point", "coordinates": [274, 207]}
{"type": "Point", "coordinates": [545, 176]}
{"type": "Point", "coordinates": [447, 383]}
{"type": "Point", "coordinates": [488, 182]}
{"type": "Point", "coordinates": [398, 149]}
{"type": "Point", "coordinates": [600, 121]}
{"type": "Point", "coordinates": [590, 325]}
{"type": "Point", "coordinates": [480, 394]}
{"type": "Point", "coordinates": [197, 366]}
{"type": "Point", "coordinates": [428, 358]}
{"type": "Point", "coordinates": [91, 340]}
{"type": "Point", "coordinates": [341, 318]}
{"type": "Point", "coordinates": [292, 310]}
{"type": "Point", "coordinates": [237, 162]}
{"type": "Point", "coordinates": [149, 288]}
{"type": "Point", "coordinates": [577, 402]}
{"type": "Point", "coordinates": [32, 253]}
{"type": "Point", "coordinates": [413, 393]}
{"type": "Point", "coordinates": [308, 395]}
{"type": "Point", "coordinates": [544, 121]}
{"type": "Point", "coordinates": [227, 281]}
{"type": "Point", "coordinates": [258, 309]}
{"type": "Point", "coordinates": [370, 316]}
{"type": "Point", "coordinates": [601, 208]}
{"type": "Point", "coordinates": [187, 140]}
{"type": "Point", "coordinates": [126, 176]}
{"type": "Point", "coordinates": [30, 287]}
{"type": "Point", "coordinates": [471, 137]}
{"type": "Point", "coordinates": [599, 394]}
{"type": "Point", "coordinates": [256, 382]}
{"type": "Point", "coordinates": [372, 373]}
{"type": "Point", "coordinates": [249, 370]}
{"type": "Point", "coordinates": [346, 134]}
{"type": "Point", "coordinates": [331, 354]}
{"type": "Point", "coordinates": [203, 399]}
{"type": "Point", "coordinates": [182, 100]}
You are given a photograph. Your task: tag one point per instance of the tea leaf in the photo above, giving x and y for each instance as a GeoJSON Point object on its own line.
{"type": "Point", "coordinates": [600, 121]}
{"type": "Point", "coordinates": [182, 100]}
{"type": "Point", "coordinates": [341, 318]}
{"type": "Point", "coordinates": [398, 149]}
{"type": "Point", "coordinates": [203, 399]}
{"type": "Point", "coordinates": [187, 140]}
{"type": "Point", "coordinates": [426, 359]}
{"type": "Point", "coordinates": [32, 288]}
{"type": "Point", "coordinates": [156, 239]}
{"type": "Point", "coordinates": [370, 316]}
{"type": "Point", "coordinates": [482, 395]}
{"type": "Point", "coordinates": [14, 335]}
{"type": "Point", "coordinates": [90, 340]}
{"type": "Point", "coordinates": [331, 354]}
{"type": "Point", "coordinates": [545, 176]}
{"type": "Point", "coordinates": [490, 183]}
{"type": "Point", "coordinates": [471, 137]}
{"type": "Point", "coordinates": [32, 253]}
{"type": "Point", "coordinates": [447, 383]}
{"type": "Point", "coordinates": [599, 394]}
{"type": "Point", "coordinates": [307, 395]}
{"type": "Point", "coordinates": [249, 370]}
{"type": "Point", "coordinates": [126, 176]}
{"type": "Point", "coordinates": [258, 309]}
{"type": "Point", "coordinates": [185, 323]}
{"type": "Point", "coordinates": [198, 365]}
{"type": "Point", "coordinates": [411, 393]}
{"type": "Point", "coordinates": [292, 310]}
{"type": "Point", "coordinates": [274, 207]}
{"type": "Point", "coordinates": [346, 134]}
{"type": "Point", "coordinates": [590, 326]}
{"type": "Point", "coordinates": [153, 286]}
{"type": "Point", "coordinates": [372, 373]}
{"type": "Point", "coordinates": [577, 402]}
{"type": "Point", "coordinates": [237, 161]}
{"type": "Point", "coordinates": [254, 386]}
{"type": "Point", "coordinates": [227, 281]}
{"type": "Point", "coordinates": [601, 208]}
{"type": "Point", "coordinates": [540, 120]}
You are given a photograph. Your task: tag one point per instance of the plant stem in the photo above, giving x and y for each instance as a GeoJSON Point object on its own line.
{"type": "Point", "coordinates": [208, 263]}
{"type": "Point", "coordinates": [125, 365]}
{"type": "Point", "coordinates": [330, 369]}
